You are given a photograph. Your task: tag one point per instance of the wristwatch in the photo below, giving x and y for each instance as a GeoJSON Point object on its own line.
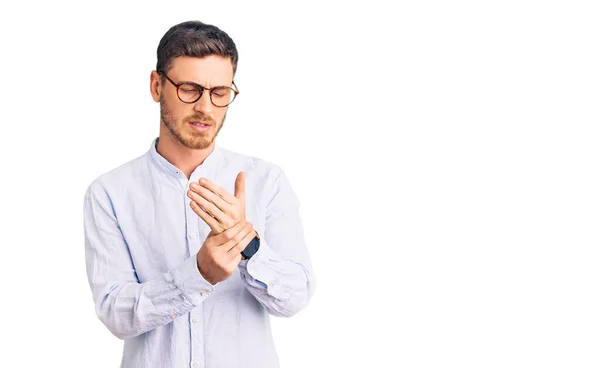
{"type": "Point", "coordinates": [251, 248]}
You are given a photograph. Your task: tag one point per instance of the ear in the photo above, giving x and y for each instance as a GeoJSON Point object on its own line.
{"type": "Point", "coordinates": [155, 86]}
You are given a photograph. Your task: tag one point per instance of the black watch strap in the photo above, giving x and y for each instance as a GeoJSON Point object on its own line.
{"type": "Point", "coordinates": [251, 248]}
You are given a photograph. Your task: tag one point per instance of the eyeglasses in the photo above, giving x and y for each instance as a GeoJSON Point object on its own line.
{"type": "Point", "coordinates": [190, 92]}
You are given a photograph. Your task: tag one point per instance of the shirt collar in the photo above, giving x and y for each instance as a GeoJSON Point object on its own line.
{"type": "Point", "coordinates": [207, 168]}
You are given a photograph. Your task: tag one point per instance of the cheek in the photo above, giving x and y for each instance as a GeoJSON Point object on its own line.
{"type": "Point", "coordinates": [179, 113]}
{"type": "Point", "coordinates": [220, 115]}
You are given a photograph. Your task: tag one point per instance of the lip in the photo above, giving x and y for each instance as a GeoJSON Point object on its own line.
{"type": "Point", "coordinates": [199, 128]}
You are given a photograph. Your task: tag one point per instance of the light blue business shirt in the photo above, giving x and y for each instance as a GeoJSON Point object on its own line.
{"type": "Point", "coordinates": [141, 241]}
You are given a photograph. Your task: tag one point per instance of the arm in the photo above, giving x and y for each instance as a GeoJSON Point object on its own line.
{"type": "Point", "coordinates": [280, 274]}
{"type": "Point", "coordinates": [129, 308]}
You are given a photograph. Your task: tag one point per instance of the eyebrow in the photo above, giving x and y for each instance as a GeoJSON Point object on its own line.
{"type": "Point", "coordinates": [200, 85]}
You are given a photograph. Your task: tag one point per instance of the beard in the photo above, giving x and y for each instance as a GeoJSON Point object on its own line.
{"type": "Point", "coordinates": [180, 132]}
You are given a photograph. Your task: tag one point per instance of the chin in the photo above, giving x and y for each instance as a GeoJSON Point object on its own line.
{"type": "Point", "coordinates": [198, 143]}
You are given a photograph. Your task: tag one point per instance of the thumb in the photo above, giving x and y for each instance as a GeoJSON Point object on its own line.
{"type": "Point", "coordinates": [240, 184]}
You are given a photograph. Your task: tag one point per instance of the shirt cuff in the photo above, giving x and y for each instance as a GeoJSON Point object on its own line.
{"type": "Point", "coordinates": [190, 282]}
{"type": "Point", "coordinates": [265, 269]}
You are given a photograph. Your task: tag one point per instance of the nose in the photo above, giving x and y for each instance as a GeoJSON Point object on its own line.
{"type": "Point", "coordinates": [204, 104]}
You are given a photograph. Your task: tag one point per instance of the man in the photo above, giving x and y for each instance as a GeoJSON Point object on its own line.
{"type": "Point", "coordinates": [190, 247]}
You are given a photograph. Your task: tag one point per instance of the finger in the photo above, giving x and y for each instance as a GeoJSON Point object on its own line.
{"type": "Point", "coordinates": [218, 190]}
{"type": "Point", "coordinates": [239, 236]}
{"type": "Point", "coordinates": [236, 260]}
{"type": "Point", "coordinates": [215, 199]}
{"type": "Point", "coordinates": [209, 208]}
{"type": "Point", "coordinates": [242, 240]}
{"type": "Point", "coordinates": [240, 186]}
{"type": "Point", "coordinates": [225, 236]}
{"type": "Point", "coordinates": [210, 221]}
{"type": "Point", "coordinates": [218, 239]}
{"type": "Point", "coordinates": [241, 245]}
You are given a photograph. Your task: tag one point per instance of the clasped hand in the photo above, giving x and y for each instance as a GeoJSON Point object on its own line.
{"type": "Point", "coordinates": [218, 208]}
{"type": "Point", "coordinates": [225, 214]}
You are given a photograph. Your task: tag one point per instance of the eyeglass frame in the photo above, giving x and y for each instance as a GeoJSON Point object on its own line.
{"type": "Point", "coordinates": [201, 88]}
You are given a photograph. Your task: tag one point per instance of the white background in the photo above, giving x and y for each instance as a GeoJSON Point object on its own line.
{"type": "Point", "coordinates": [445, 155]}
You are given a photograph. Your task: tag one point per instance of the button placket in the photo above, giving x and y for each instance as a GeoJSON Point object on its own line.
{"type": "Point", "coordinates": [196, 230]}
{"type": "Point", "coordinates": [197, 343]}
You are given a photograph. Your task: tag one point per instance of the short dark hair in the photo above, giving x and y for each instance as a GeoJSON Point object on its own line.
{"type": "Point", "coordinates": [194, 38]}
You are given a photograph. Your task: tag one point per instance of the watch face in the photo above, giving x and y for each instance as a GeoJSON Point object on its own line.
{"type": "Point", "coordinates": [251, 248]}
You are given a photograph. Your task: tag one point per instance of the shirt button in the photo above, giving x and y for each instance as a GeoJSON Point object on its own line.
{"type": "Point", "coordinates": [204, 293]}
{"type": "Point", "coordinates": [195, 364]}
{"type": "Point", "coordinates": [192, 236]}
{"type": "Point", "coordinates": [195, 320]}
{"type": "Point", "coordinates": [173, 316]}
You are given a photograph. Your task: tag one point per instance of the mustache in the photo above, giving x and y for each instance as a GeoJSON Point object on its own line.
{"type": "Point", "coordinates": [199, 117]}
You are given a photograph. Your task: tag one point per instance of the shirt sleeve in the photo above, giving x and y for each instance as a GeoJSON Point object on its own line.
{"type": "Point", "coordinates": [280, 274]}
{"type": "Point", "coordinates": [127, 307]}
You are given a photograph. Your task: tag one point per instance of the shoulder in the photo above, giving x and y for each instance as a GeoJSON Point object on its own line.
{"type": "Point", "coordinates": [265, 176]}
{"type": "Point", "coordinates": [252, 165]}
{"type": "Point", "coordinates": [119, 177]}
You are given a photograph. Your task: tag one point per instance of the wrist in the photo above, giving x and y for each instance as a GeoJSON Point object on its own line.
{"type": "Point", "coordinates": [252, 247]}
{"type": "Point", "coordinates": [203, 273]}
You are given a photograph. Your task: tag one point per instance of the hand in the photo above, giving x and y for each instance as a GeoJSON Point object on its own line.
{"type": "Point", "coordinates": [220, 254]}
{"type": "Point", "coordinates": [219, 209]}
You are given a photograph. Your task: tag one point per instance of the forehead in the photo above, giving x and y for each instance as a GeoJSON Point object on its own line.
{"type": "Point", "coordinates": [208, 71]}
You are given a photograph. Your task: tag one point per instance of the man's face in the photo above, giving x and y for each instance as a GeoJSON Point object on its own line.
{"type": "Point", "coordinates": [181, 119]}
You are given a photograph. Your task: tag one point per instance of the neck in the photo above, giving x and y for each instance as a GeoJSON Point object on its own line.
{"type": "Point", "coordinates": [182, 157]}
